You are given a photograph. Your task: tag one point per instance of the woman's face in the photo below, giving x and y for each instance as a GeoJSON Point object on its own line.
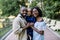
{"type": "Point", "coordinates": [29, 12]}
{"type": "Point", "coordinates": [35, 12]}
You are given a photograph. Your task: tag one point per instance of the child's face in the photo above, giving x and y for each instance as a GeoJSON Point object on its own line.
{"type": "Point", "coordinates": [29, 12]}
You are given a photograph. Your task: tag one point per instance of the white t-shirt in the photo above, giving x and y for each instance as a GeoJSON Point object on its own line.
{"type": "Point", "coordinates": [39, 26]}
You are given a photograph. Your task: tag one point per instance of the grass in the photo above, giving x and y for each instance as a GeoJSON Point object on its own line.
{"type": "Point", "coordinates": [4, 30]}
{"type": "Point", "coordinates": [58, 32]}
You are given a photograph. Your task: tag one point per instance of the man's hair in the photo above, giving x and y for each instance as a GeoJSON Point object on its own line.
{"type": "Point", "coordinates": [22, 8]}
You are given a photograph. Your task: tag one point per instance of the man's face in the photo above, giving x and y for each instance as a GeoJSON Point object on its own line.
{"type": "Point", "coordinates": [23, 12]}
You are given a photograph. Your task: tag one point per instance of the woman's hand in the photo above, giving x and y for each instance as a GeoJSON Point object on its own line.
{"type": "Point", "coordinates": [42, 32]}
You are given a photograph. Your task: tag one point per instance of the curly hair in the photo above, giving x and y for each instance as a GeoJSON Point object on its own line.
{"type": "Point", "coordinates": [39, 11]}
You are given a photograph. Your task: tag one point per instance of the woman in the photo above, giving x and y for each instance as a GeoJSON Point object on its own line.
{"type": "Point", "coordinates": [39, 26]}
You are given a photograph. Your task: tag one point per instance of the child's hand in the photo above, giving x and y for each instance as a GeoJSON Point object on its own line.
{"type": "Point", "coordinates": [31, 24]}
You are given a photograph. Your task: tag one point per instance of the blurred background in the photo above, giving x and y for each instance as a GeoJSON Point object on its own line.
{"type": "Point", "coordinates": [9, 9]}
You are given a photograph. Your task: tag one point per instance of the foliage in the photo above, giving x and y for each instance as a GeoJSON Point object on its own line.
{"type": "Point", "coordinates": [4, 30]}
{"type": "Point", "coordinates": [52, 8]}
{"type": "Point", "coordinates": [33, 4]}
{"type": "Point", "coordinates": [11, 7]}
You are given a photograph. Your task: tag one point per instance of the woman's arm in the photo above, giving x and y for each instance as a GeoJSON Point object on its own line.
{"type": "Point", "coordinates": [38, 31]}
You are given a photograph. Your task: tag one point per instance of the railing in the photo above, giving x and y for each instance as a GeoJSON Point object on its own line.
{"type": "Point", "coordinates": [5, 27]}
{"type": "Point", "coordinates": [7, 34]}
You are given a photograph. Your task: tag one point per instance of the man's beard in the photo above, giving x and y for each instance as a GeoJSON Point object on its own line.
{"type": "Point", "coordinates": [23, 15]}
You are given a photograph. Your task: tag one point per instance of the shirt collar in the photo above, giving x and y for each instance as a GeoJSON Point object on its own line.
{"type": "Point", "coordinates": [19, 15]}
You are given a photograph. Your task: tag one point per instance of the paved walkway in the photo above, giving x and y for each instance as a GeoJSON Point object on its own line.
{"type": "Point", "coordinates": [49, 35]}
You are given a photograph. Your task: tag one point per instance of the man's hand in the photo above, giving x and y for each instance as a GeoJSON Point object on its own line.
{"type": "Point", "coordinates": [28, 24]}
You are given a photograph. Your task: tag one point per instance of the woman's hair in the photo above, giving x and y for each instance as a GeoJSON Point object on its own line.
{"type": "Point", "coordinates": [39, 11]}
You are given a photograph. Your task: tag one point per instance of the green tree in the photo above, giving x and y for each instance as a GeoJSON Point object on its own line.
{"type": "Point", "coordinates": [52, 8]}
{"type": "Point", "coordinates": [33, 4]}
{"type": "Point", "coordinates": [11, 7]}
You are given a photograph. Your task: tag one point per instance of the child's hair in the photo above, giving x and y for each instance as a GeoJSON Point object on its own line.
{"type": "Point", "coordinates": [30, 9]}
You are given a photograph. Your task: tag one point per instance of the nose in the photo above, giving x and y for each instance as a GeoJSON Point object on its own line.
{"type": "Point", "coordinates": [24, 11]}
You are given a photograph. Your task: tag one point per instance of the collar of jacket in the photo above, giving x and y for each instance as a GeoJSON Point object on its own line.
{"type": "Point", "coordinates": [19, 15]}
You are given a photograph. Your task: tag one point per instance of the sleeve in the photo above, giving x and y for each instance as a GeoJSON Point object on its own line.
{"type": "Point", "coordinates": [35, 25]}
{"type": "Point", "coordinates": [44, 26]}
{"type": "Point", "coordinates": [17, 27]}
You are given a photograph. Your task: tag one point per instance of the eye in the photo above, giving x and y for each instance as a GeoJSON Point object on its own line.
{"type": "Point", "coordinates": [28, 11]}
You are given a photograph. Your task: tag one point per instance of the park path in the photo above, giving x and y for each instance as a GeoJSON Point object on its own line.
{"type": "Point", "coordinates": [49, 35]}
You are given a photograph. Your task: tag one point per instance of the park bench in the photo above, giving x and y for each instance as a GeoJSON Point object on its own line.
{"type": "Point", "coordinates": [56, 27]}
{"type": "Point", "coordinates": [52, 23]}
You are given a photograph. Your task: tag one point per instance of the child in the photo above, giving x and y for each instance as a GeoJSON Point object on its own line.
{"type": "Point", "coordinates": [30, 19]}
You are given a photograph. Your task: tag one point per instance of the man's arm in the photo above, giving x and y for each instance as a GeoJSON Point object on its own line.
{"type": "Point", "coordinates": [25, 27]}
{"type": "Point", "coordinates": [17, 28]}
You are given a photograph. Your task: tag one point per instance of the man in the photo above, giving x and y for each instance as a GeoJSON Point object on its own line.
{"type": "Point", "coordinates": [19, 25]}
